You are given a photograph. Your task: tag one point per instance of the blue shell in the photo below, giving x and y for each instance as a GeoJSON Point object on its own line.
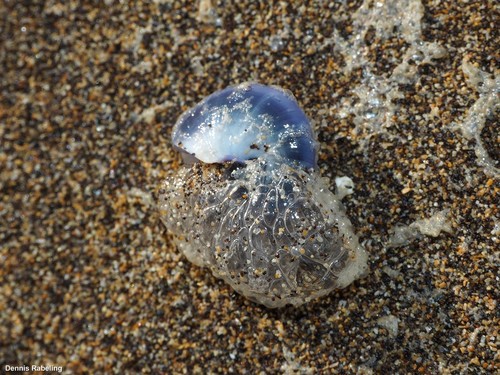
{"type": "Point", "coordinates": [245, 122]}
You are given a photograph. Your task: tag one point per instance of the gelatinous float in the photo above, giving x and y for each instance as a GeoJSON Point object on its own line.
{"type": "Point", "coordinates": [249, 203]}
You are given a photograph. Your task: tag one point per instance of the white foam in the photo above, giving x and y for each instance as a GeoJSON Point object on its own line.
{"type": "Point", "coordinates": [431, 226]}
{"type": "Point", "coordinates": [488, 87]}
{"type": "Point", "coordinates": [372, 102]}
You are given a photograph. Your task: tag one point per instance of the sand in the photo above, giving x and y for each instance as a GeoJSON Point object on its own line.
{"type": "Point", "coordinates": [404, 99]}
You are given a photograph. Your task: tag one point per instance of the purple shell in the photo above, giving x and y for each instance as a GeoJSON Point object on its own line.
{"type": "Point", "coordinates": [245, 122]}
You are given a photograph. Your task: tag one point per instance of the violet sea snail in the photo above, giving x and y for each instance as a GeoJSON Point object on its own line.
{"type": "Point", "coordinates": [249, 203]}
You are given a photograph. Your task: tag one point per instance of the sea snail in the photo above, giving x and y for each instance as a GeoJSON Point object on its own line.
{"type": "Point", "coordinates": [249, 204]}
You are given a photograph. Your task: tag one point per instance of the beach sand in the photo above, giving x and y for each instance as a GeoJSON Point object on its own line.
{"type": "Point", "coordinates": [404, 99]}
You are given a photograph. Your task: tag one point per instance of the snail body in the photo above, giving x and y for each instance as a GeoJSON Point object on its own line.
{"type": "Point", "coordinates": [249, 204]}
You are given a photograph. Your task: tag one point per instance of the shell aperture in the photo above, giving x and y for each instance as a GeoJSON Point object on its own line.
{"type": "Point", "coordinates": [249, 204]}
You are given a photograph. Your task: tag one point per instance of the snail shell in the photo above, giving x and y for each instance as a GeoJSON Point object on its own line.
{"type": "Point", "coordinates": [246, 122]}
{"type": "Point", "coordinates": [249, 205]}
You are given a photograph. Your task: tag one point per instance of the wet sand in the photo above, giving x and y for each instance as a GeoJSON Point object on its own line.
{"type": "Point", "coordinates": [89, 279]}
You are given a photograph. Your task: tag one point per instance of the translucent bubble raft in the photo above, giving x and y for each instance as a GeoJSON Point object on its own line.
{"type": "Point", "coordinates": [276, 234]}
{"type": "Point", "coordinates": [250, 205]}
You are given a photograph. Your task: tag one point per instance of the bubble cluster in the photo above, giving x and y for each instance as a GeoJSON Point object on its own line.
{"type": "Point", "coordinates": [268, 225]}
